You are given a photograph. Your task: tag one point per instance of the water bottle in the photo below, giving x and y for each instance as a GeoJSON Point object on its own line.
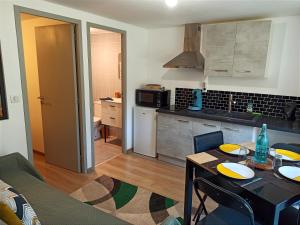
{"type": "Point", "coordinates": [262, 146]}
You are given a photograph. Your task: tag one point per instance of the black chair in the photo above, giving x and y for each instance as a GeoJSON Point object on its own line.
{"type": "Point", "coordinates": [289, 216]}
{"type": "Point", "coordinates": [291, 147]}
{"type": "Point", "coordinates": [203, 143]}
{"type": "Point", "coordinates": [232, 208]}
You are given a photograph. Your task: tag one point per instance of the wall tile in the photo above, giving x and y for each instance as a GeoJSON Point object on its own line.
{"type": "Point", "coordinates": [269, 105]}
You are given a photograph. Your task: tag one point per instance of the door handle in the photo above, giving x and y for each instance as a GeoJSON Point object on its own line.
{"type": "Point", "coordinates": [112, 118]}
{"type": "Point", "coordinates": [112, 106]}
{"type": "Point", "coordinates": [41, 98]}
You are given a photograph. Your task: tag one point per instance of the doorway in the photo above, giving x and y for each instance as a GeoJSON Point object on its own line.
{"type": "Point", "coordinates": [52, 88]}
{"type": "Point", "coordinates": [107, 63]}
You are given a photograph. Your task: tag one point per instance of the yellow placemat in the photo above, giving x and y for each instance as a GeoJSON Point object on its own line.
{"type": "Point", "coordinates": [229, 147]}
{"type": "Point", "coordinates": [228, 172]}
{"type": "Point", "coordinates": [290, 154]}
{"type": "Point", "coordinates": [297, 179]}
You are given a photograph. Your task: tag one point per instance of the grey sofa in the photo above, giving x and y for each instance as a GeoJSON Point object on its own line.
{"type": "Point", "coordinates": [52, 206]}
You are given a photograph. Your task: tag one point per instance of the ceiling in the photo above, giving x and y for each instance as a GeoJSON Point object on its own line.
{"type": "Point", "coordinates": [154, 13]}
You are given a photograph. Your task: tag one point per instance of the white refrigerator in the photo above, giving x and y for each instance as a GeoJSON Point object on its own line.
{"type": "Point", "coordinates": [145, 131]}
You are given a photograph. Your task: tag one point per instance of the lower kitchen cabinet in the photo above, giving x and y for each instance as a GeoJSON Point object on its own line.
{"type": "Point", "coordinates": [174, 136]}
{"type": "Point", "coordinates": [234, 133]}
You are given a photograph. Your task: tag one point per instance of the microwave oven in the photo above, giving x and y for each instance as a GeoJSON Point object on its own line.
{"type": "Point", "coordinates": [152, 98]}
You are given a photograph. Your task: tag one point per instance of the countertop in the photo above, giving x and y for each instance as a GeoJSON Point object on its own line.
{"type": "Point", "coordinates": [273, 123]}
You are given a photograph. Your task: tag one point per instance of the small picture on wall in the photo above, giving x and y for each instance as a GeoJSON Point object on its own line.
{"type": "Point", "coordinates": [3, 103]}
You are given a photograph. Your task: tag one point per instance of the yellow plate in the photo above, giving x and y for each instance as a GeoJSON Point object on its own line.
{"type": "Point", "coordinates": [290, 172]}
{"type": "Point", "coordinates": [235, 170]}
{"type": "Point", "coordinates": [230, 148]}
{"type": "Point", "coordinates": [287, 155]}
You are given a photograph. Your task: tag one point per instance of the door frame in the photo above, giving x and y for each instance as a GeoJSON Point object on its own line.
{"type": "Point", "coordinates": [80, 79]}
{"type": "Point", "coordinates": [123, 33]}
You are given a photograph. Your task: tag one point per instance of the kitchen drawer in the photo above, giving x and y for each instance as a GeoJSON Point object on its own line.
{"type": "Point", "coordinates": [111, 120]}
{"type": "Point", "coordinates": [205, 126]}
{"type": "Point", "coordinates": [234, 133]}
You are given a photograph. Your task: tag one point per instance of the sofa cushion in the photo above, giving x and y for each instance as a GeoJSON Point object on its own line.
{"type": "Point", "coordinates": [54, 207]}
{"type": "Point", "coordinates": [18, 204]}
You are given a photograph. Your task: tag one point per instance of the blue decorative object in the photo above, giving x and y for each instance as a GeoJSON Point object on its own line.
{"type": "Point", "coordinates": [262, 146]}
{"type": "Point", "coordinates": [197, 100]}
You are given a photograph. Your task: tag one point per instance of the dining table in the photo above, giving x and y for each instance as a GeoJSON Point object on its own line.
{"type": "Point", "coordinates": [268, 193]}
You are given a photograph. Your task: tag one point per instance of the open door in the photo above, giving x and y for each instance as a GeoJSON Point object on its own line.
{"type": "Point", "coordinates": [56, 56]}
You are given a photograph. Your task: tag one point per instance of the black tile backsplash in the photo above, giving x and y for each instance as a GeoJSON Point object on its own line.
{"type": "Point", "coordinates": [269, 105]}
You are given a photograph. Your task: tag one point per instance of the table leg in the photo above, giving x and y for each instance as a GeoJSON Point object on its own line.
{"type": "Point", "coordinates": [189, 173]}
{"type": "Point", "coordinates": [275, 216]}
{"type": "Point", "coordinates": [105, 133]}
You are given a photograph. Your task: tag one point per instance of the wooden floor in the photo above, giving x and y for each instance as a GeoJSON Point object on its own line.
{"type": "Point", "coordinates": [156, 176]}
{"type": "Point", "coordinates": [107, 151]}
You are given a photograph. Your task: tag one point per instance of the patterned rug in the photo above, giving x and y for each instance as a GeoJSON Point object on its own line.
{"type": "Point", "coordinates": [128, 202]}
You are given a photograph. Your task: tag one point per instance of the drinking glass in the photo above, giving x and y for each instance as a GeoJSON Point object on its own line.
{"type": "Point", "coordinates": [277, 162]}
{"type": "Point", "coordinates": [243, 154]}
{"type": "Point", "coordinates": [272, 151]}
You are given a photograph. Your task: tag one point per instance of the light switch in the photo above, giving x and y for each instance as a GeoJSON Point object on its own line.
{"type": "Point", "coordinates": [14, 99]}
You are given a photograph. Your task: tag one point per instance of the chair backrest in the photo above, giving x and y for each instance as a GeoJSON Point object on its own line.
{"type": "Point", "coordinates": [290, 147]}
{"type": "Point", "coordinates": [225, 198]}
{"type": "Point", "coordinates": [205, 142]}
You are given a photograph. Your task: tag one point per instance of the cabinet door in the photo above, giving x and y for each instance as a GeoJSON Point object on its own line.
{"type": "Point", "coordinates": [205, 126]}
{"type": "Point", "coordinates": [218, 48]}
{"type": "Point", "coordinates": [251, 49]}
{"type": "Point", "coordinates": [174, 136]}
{"type": "Point", "coordinates": [237, 133]}
{"type": "Point", "coordinates": [283, 137]}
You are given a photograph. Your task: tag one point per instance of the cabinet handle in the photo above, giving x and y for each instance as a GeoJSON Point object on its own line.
{"type": "Point", "coordinates": [230, 129]}
{"type": "Point", "coordinates": [221, 70]}
{"type": "Point", "coordinates": [183, 121]}
{"type": "Point", "coordinates": [113, 118]}
{"type": "Point", "coordinates": [209, 125]}
{"type": "Point", "coordinates": [244, 71]}
{"type": "Point", "coordinates": [113, 106]}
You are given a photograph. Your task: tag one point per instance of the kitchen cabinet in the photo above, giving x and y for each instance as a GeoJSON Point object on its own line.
{"type": "Point", "coordinates": [282, 137]}
{"type": "Point", "coordinates": [234, 133]}
{"type": "Point", "coordinates": [251, 48]}
{"type": "Point", "coordinates": [174, 136]}
{"type": "Point", "coordinates": [205, 126]}
{"type": "Point", "coordinates": [219, 42]}
{"type": "Point", "coordinates": [236, 49]}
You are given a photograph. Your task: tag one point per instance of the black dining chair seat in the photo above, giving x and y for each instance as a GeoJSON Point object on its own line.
{"type": "Point", "coordinates": [289, 216]}
{"type": "Point", "coordinates": [290, 147]}
{"type": "Point", "coordinates": [225, 216]}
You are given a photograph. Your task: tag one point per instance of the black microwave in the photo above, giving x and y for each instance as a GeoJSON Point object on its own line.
{"type": "Point", "coordinates": [152, 98]}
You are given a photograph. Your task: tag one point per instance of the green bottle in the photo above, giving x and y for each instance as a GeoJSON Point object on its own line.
{"type": "Point", "coordinates": [262, 146]}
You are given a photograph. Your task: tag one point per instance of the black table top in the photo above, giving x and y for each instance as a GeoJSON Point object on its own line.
{"type": "Point", "coordinates": [273, 123]}
{"type": "Point", "coordinates": [273, 189]}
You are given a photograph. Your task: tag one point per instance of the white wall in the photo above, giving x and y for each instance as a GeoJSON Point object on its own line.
{"type": "Point", "coordinates": [13, 130]}
{"type": "Point", "coordinates": [105, 51]}
{"type": "Point", "coordinates": [282, 76]}
{"type": "Point", "coordinates": [164, 44]}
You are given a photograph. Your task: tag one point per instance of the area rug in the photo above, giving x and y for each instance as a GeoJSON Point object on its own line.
{"type": "Point", "coordinates": [128, 202]}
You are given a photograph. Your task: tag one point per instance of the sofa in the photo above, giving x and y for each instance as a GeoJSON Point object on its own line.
{"type": "Point", "coordinates": [51, 206]}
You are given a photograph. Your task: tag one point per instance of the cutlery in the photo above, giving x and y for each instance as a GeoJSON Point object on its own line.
{"type": "Point", "coordinates": [251, 182]}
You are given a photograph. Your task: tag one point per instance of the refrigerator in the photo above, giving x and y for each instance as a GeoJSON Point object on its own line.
{"type": "Point", "coordinates": [145, 131]}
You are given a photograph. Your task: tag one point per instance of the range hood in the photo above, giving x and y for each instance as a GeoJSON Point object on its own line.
{"type": "Point", "coordinates": [191, 56]}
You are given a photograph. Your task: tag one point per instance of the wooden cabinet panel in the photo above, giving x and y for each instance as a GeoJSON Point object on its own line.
{"type": "Point", "coordinates": [111, 114]}
{"type": "Point", "coordinates": [205, 126]}
{"type": "Point", "coordinates": [234, 133]}
{"type": "Point", "coordinates": [174, 136]}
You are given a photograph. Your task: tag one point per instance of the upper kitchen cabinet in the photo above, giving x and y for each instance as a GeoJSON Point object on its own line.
{"type": "Point", "coordinates": [237, 49]}
{"type": "Point", "coordinates": [219, 42]}
{"type": "Point", "coordinates": [251, 48]}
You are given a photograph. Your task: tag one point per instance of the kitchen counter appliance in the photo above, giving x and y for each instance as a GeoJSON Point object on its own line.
{"type": "Point", "coordinates": [152, 98]}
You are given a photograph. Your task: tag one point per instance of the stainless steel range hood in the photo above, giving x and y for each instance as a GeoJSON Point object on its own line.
{"type": "Point", "coordinates": [191, 56]}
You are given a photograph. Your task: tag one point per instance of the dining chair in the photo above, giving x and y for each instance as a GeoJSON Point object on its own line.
{"type": "Point", "coordinates": [232, 208]}
{"type": "Point", "coordinates": [203, 143]}
{"type": "Point", "coordinates": [291, 147]}
{"type": "Point", "coordinates": [290, 216]}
